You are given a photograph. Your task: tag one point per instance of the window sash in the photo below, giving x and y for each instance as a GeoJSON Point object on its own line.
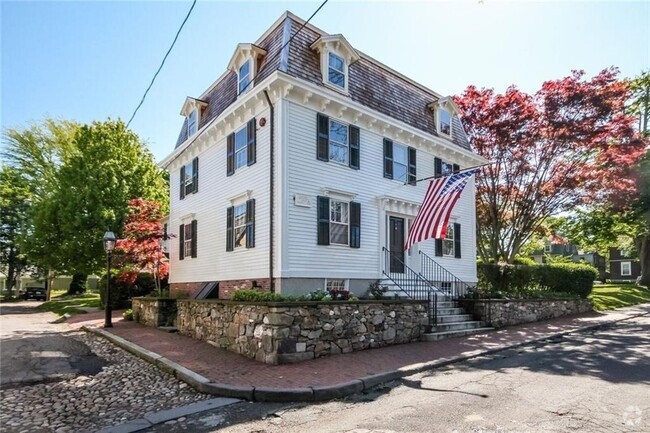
{"type": "Point", "coordinates": [336, 72]}
{"type": "Point", "coordinates": [187, 241]}
{"type": "Point", "coordinates": [244, 74]}
{"type": "Point", "coordinates": [448, 246]}
{"type": "Point", "coordinates": [189, 176]}
{"type": "Point", "coordinates": [335, 284]}
{"type": "Point", "coordinates": [445, 122]}
{"type": "Point", "coordinates": [339, 222]}
{"type": "Point", "coordinates": [626, 269]}
{"type": "Point", "coordinates": [400, 162]}
{"type": "Point", "coordinates": [241, 148]}
{"type": "Point", "coordinates": [239, 226]}
{"type": "Point", "coordinates": [191, 123]}
{"type": "Point", "coordinates": [339, 139]}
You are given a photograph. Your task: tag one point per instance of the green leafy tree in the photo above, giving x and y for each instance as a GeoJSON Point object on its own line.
{"type": "Point", "coordinates": [14, 204]}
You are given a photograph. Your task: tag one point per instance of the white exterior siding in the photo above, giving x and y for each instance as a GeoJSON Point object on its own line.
{"type": "Point", "coordinates": [208, 206]}
{"type": "Point", "coordinates": [308, 176]}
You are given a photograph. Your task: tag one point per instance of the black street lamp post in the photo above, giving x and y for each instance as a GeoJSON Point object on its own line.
{"type": "Point", "coordinates": [109, 246]}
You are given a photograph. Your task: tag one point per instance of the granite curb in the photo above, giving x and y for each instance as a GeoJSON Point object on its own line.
{"type": "Point", "coordinates": [320, 393]}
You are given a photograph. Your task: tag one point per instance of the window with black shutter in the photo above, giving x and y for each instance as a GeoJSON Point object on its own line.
{"type": "Point", "coordinates": [182, 183]}
{"type": "Point", "coordinates": [355, 144]}
{"type": "Point", "coordinates": [337, 142]}
{"type": "Point", "coordinates": [388, 158]}
{"type": "Point", "coordinates": [195, 175]}
{"type": "Point", "coordinates": [251, 149]}
{"type": "Point", "coordinates": [442, 168]}
{"type": "Point", "coordinates": [399, 162]}
{"type": "Point", "coordinates": [241, 148]}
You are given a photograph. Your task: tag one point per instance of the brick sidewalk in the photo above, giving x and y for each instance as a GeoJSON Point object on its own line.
{"type": "Point", "coordinates": [222, 366]}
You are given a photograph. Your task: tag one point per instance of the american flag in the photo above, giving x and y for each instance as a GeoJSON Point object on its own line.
{"type": "Point", "coordinates": [433, 216]}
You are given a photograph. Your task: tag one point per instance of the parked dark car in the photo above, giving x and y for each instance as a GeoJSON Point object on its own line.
{"type": "Point", "coordinates": [37, 293]}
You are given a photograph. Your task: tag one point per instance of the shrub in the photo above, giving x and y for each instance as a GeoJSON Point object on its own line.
{"type": "Point", "coordinates": [145, 283]}
{"type": "Point", "coordinates": [376, 290]}
{"type": "Point", "coordinates": [252, 295]}
{"type": "Point", "coordinates": [128, 315]}
{"type": "Point", "coordinates": [573, 278]}
{"type": "Point", "coordinates": [119, 291]}
{"type": "Point", "coordinates": [78, 284]}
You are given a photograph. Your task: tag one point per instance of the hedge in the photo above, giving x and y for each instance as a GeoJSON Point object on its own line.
{"type": "Point", "coordinates": [519, 280]}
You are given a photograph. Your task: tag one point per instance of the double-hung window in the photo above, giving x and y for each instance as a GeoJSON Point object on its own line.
{"type": "Point", "coordinates": [626, 269]}
{"type": "Point", "coordinates": [336, 70]}
{"type": "Point", "coordinates": [444, 122]}
{"type": "Point", "coordinates": [448, 242]}
{"type": "Point", "coordinates": [338, 136]}
{"type": "Point", "coordinates": [241, 148]}
{"type": "Point", "coordinates": [400, 162]}
{"type": "Point", "coordinates": [189, 177]}
{"type": "Point", "coordinates": [239, 229]}
{"type": "Point", "coordinates": [192, 121]}
{"type": "Point", "coordinates": [187, 240]}
{"type": "Point", "coordinates": [244, 76]}
{"type": "Point", "coordinates": [339, 222]}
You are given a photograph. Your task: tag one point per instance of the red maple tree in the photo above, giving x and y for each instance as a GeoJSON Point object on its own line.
{"type": "Point", "coordinates": [568, 144]}
{"type": "Point", "coordinates": [141, 246]}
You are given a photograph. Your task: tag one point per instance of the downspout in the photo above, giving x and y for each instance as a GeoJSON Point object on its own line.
{"type": "Point", "coordinates": [271, 191]}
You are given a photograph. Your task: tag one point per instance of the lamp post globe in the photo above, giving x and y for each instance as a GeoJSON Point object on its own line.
{"type": "Point", "coordinates": [109, 245]}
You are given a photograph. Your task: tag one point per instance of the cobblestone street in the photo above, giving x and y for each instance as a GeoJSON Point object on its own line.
{"type": "Point", "coordinates": [125, 388]}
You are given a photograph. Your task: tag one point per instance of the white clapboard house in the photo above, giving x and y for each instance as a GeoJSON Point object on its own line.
{"type": "Point", "coordinates": [295, 171]}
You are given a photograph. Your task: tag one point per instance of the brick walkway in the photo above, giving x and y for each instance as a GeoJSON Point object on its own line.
{"type": "Point", "coordinates": [225, 367]}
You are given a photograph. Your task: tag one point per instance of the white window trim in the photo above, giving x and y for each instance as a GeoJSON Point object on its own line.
{"type": "Point", "coordinates": [548, 248]}
{"type": "Point", "coordinates": [235, 226]}
{"type": "Point", "coordinates": [244, 149]}
{"type": "Point", "coordinates": [450, 226]}
{"type": "Point", "coordinates": [406, 165]}
{"type": "Point", "coordinates": [246, 53]}
{"type": "Point", "coordinates": [190, 133]}
{"type": "Point", "coordinates": [343, 71]}
{"type": "Point", "coordinates": [346, 283]}
{"type": "Point", "coordinates": [439, 123]}
{"type": "Point", "coordinates": [329, 140]}
{"type": "Point", "coordinates": [629, 269]}
{"type": "Point", "coordinates": [239, 77]}
{"type": "Point", "coordinates": [338, 45]}
{"type": "Point", "coordinates": [188, 179]}
{"type": "Point", "coordinates": [187, 241]}
{"type": "Point", "coordinates": [347, 223]}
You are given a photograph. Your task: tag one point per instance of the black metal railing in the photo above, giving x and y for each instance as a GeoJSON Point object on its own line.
{"type": "Point", "coordinates": [443, 282]}
{"type": "Point", "coordinates": [411, 283]}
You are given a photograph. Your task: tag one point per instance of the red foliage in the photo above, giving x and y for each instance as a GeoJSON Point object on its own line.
{"type": "Point", "coordinates": [569, 143]}
{"type": "Point", "coordinates": [142, 242]}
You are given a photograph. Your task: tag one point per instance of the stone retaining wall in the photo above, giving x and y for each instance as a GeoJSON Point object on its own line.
{"type": "Point", "coordinates": [504, 312]}
{"type": "Point", "coordinates": [276, 333]}
{"type": "Point", "coordinates": [154, 311]}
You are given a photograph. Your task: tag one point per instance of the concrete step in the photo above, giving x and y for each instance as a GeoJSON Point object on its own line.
{"type": "Point", "coordinates": [450, 311]}
{"type": "Point", "coordinates": [453, 318]}
{"type": "Point", "coordinates": [435, 336]}
{"type": "Point", "coordinates": [457, 326]}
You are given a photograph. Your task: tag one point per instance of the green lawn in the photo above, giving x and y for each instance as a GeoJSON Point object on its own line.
{"type": "Point", "coordinates": [610, 296]}
{"type": "Point", "coordinates": [60, 303]}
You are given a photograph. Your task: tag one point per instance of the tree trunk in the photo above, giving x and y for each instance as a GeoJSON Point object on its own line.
{"type": "Point", "coordinates": [643, 244]}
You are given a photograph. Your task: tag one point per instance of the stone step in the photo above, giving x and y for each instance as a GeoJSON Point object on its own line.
{"type": "Point", "coordinates": [453, 318]}
{"type": "Point", "coordinates": [457, 326]}
{"type": "Point", "coordinates": [435, 336]}
{"type": "Point", "coordinates": [450, 311]}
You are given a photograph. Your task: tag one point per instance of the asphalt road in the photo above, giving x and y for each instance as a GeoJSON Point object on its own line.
{"type": "Point", "coordinates": [33, 350]}
{"type": "Point", "coordinates": [590, 382]}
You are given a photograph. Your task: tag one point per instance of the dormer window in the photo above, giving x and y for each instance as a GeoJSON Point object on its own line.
{"type": "Point", "coordinates": [336, 56]}
{"type": "Point", "coordinates": [444, 122]}
{"type": "Point", "coordinates": [244, 76]}
{"type": "Point", "coordinates": [192, 121]}
{"type": "Point", "coordinates": [244, 63]}
{"type": "Point", "coordinates": [336, 70]}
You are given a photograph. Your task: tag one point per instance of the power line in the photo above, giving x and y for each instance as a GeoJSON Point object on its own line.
{"type": "Point", "coordinates": [162, 63]}
{"type": "Point", "coordinates": [283, 47]}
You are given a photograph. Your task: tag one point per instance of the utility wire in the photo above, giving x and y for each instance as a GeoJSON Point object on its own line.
{"type": "Point", "coordinates": [162, 63]}
{"type": "Point", "coordinates": [279, 53]}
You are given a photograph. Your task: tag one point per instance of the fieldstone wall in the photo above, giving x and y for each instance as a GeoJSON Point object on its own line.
{"type": "Point", "coordinates": [276, 333]}
{"type": "Point", "coordinates": [154, 311]}
{"type": "Point", "coordinates": [504, 312]}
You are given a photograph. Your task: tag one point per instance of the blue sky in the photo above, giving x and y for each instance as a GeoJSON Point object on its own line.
{"type": "Point", "coordinates": [92, 60]}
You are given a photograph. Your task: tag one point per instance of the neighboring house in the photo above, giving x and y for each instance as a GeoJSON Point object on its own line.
{"type": "Point", "coordinates": [623, 267]}
{"type": "Point", "coordinates": [554, 246]}
{"type": "Point", "coordinates": [594, 259]}
{"type": "Point", "coordinates": [300, 178]}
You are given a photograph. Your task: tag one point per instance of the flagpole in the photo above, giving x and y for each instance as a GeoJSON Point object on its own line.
{"type": "Point", "coordinates": [438, 176]}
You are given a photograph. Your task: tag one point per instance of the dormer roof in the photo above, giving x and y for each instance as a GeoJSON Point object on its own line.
{"type": "Point", "coordinates": [192, 103]}
{"type": "Point", "coordinates": [447, 103]}
{"type": "Point", "coordinates": [336, 43]}
{"type": "Point", "coordinates": [244, 51]}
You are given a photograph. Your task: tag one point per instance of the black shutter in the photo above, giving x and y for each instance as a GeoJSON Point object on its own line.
{"type": "Point", "coordinates": [182, 184]}
{"type": "Point", "coordinates": [194, 238]}
{"type": "Point", "coordinates": [230, 156]}
{"type": "Point", "coordinates": [355, 141]}
{"type": "Point", "coordinates": [195, 174]}
{"type": "Point", "coordinates": [250, 223]}
{"type": "Point", "coordinates": [457, 240]}
{"type": "Point", "coordinates": [438, 247]}
{"type": "Point", "coordinates": [412, 166]}
{"type": "Point", "coordinates": [355, 225]}
{"type": "Point", "coordinates": [230, 220]}
{"type": "Point", "coordinates": [388, 158]}
{"type": "Point", "coordinates": [181, 242]}
{"type": "Point", "coordinates": [251, 139]}
{"type": "Point", "coordinates": [456, 168]}
{"type": "Point", "coordinates": [323, 137]}
{"type": "Point", "coordinates": [323, 220]}
{"type": "Point", "coordinates": [437, 166]}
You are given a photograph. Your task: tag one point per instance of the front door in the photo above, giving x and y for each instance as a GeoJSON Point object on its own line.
{"type": "Point", "coordinates": [396, 244]}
